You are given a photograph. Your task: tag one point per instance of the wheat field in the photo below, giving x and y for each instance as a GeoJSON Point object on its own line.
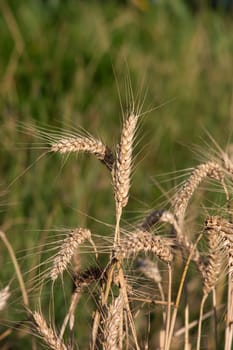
{"type": "Point", "coordinates": [115, 230]}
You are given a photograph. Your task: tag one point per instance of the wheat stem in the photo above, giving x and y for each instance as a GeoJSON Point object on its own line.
{"type": "Point", "coordinates": [178, 297]}
{"type": "Point", "coordinates": [200, 320]}
{"type": "Point", "coordinates": [17, 268]}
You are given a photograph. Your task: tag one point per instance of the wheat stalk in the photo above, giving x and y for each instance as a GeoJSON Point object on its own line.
{"type": "Point", "coordinates": [121, 173]}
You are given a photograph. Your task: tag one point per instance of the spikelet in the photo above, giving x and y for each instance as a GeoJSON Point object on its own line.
{"type": "Point", "coordinates": [142, 241]}
{"type": "Point", "coordinates": [209, 169]}
{"type": "Point", "coordinates": [122, 169]}
{"type": "Point", "coordinates": [212, 270]}
{"type": "Point", "coordinates": [68, 247]}
{"type": "Point", "coordinates": [84, 144]}
{"type": "Point", "coordinates": [4, 296]}
{"type": "Point", "coordinates": [112, 324]}
{"type": "Point", "coordinates": [48, 335]}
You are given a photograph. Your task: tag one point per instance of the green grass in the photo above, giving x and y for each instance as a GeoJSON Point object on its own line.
{"type": "Point", "coordinates": [60, 65]}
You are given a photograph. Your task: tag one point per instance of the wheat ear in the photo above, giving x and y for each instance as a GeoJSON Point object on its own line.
{"type": "Point", "coordinates": [225, 229]}
{"type": "Point", "coordinates": [210, 271]}
{"type": "Point", "coordinates": [123, 163]}
{"type": "Point", "coordinates": [209, 169]}
{"type": "Point", "coordinates": [84, 144]}
{"type": "Point", "coordinates": [48, 335]}
{"type": "Point", "coordinates": [142, 241]}
{"type": "Point", "coordinates": [215, 256]}
{"type": "Point", "coordinates": [112, 325]}
{"type": "Point", "coordinates": [68, 247]}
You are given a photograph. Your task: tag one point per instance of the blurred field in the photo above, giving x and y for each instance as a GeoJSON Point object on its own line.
{"type": "Point", "coordinates": [61, 65]}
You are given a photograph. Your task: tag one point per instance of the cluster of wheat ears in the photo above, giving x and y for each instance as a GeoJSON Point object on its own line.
{"type": "Point", "coordinates": [156, 257]}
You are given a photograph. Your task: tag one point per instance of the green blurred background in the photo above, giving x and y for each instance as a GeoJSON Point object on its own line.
{"type": "Point", "coordinates": [61, 65]}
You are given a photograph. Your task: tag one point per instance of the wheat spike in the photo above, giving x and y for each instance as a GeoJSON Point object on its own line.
{"type": "Point", "coordinates": [209, 169]}
{"type": "Point", "coordinates": [225, 230]}
{"type": "Point", "coordinates": [142, 241]}
{"type": "Point", "coordinates": [112, 324]}
{"type": "Point", "coordinates": [48, 335]}
{"type": "Point", "coordinates": [68, 247]}
{"type": "Point", "coordinates": [212, 270]}
{"type": "Point", "coordinates": [4, 296]}
{"type": "Point", "coordinates": [84, 144]}
{"type": "Point", "coordinates": [123, 163]}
